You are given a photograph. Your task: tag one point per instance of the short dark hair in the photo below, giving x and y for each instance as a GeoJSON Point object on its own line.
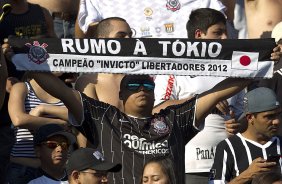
{"type": "Point", "coordinates": [104, 27]}
{"type": "Point", "coordinates": [268, 177]}
{"type": "Point", "coordinates": [202, 19]}
{"type": "Point", "coordinates": [166, 165]}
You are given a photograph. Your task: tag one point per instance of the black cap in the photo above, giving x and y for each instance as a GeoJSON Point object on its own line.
{"type": "Point", "coordinates": [49, 130]}
{"type": "Point", "coordinates": [88, 158]}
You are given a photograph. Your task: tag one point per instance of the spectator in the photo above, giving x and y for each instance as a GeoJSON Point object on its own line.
{"type": "Point", "coordinates": [267, 12]}
{"type": "Point", "coordinates": [166, 132]}
{"type": "Point", "coordinates": [87, 165]}
{"type": "Point", "coordinates": [164, 19]}
{"type": "Point", "coordinates": [100, 86]}
{"type": "Point", "coordinates": [275, 82]}
{"type": "Point", "coordinates": [204, 23]}
{"type": "Point", "coordinates": [64, 13]}
{"type": "Point", "coordinates": [243, 156]}
{"type": "Point", "coordinates": [51, 143]}
{"type": "Point", "coordinates": [158, 170]}
{"type": "Point", "coordinates": [30, 107]}
{"type": "Point", "coordinates": [24, 20]}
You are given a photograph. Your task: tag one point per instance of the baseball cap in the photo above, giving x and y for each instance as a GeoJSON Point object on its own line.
{"type": "Point", "coordinates": [88, 158]}
{"type": "Point", "coordinates": [49, 130]}
{"type": "Point", "coordinates": [277, 32]}
{"type": "Point", "coordinates": [259, 100]}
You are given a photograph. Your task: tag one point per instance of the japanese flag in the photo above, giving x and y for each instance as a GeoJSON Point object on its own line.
{"type": "Point", "coordinates": [244, 60]}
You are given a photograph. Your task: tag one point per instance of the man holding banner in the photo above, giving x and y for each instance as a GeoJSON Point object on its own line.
{"type": "Point", "coordinates": [136, 136]}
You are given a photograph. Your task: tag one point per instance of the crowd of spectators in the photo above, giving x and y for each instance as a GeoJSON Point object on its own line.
{"type": "Point", "coordinates": [81, 128]}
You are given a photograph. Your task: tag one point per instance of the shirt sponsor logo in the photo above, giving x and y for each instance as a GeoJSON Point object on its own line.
{"type": "Point", "coordinates": [141, 145]}
{"type": "Point", "coordinates": [203, 154]}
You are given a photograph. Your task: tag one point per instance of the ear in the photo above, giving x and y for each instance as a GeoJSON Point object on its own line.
{"type": "Point", "coordinates": [75, 176]}
{"type": "Point", "coordinates": [198, 34]}
{"type": "Point", "coordinates": [250, 118]}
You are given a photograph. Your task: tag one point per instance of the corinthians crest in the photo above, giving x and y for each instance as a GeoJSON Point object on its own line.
{"type": "Point", "coordinates": [160, 127]}
{"type": "Point", "coordinates": [37, 53]}
{"type": "Point", "coordinates": [173, 5]}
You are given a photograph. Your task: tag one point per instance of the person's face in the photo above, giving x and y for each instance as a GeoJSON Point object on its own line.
{"type": "Point", "coordinates": [266, 123]}
{"type": "Point", "coordinates": [216, 31]}
{"type": "Point", "coordinates": [139, 93]}
{"type": "Point", "coordinates": [120, 29]}
{"type": "Point", "coordinates": [91, 176]}
{"type": "Point", "coordinates": [54, 151]}
{"type": "Point", "coordinates": [153, 174]}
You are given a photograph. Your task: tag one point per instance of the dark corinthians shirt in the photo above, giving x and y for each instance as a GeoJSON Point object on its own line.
{"type": "Point", "coordinates": [132, 141]}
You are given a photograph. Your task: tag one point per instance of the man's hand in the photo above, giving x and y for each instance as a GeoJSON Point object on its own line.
{"type": "Point", "coordinates": [257, 167]}
{"type": "Point", "coordinates": [276, 54]}
{"type": "Point", "coordinates": [232, 125]}
{"type": "Point", "coordinates": [223, 107]}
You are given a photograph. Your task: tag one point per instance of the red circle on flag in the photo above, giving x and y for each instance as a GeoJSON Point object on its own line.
{"type": "Point", "coordinates": [245, 60]}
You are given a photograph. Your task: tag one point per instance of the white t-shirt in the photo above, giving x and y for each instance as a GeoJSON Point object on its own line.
{"type": "Point", "coordinates": [147, 18]}
{"type": "Point", "coordinates": [45, 180]}
{"type": "Point", "coordinates": [200, 150]}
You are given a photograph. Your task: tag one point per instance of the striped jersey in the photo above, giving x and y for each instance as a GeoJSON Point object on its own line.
{"type": "Point", "coordinates": [132, 141]}
{"type": "Point", "coordinates": [235, 154]}
{"type": "Point", "coordinates": [23, 146]}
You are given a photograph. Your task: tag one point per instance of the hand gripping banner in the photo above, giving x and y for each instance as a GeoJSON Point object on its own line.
{"type": "Point", "coordinates": [234, 58]}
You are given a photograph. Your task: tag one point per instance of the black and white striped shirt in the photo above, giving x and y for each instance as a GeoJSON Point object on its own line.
{"type": "Point", "coordinates": [235, 154]}
{"type": "Point", "coordinates": [23, 146]}
{"type": "Point", "coordinates": [132, 141]}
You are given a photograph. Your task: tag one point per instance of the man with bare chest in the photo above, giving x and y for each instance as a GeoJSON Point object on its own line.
{"type": "Point", "coordinates": [101, 86]}
{"type": "Point", "coordinates": [262, 16]}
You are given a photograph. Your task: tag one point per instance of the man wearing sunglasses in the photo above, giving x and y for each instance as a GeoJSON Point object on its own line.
{"type": "Point", "coordinates": [136, 135]}
{"type": "Point", "coordinates": [88, 166]}
{"type": "Point", "coordinates": [52, 143]}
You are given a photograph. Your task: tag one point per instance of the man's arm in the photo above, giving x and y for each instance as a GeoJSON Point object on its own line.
{"type": "Point", "coordinates": [3, 78]}
{"type": "Point", "coordinates": [57, 88]}
{"type": "Point", "coordinates": [223, 90]}
{"type": "Point", "coordinates": [18, 114]}
{"type": "Point", "coordinates": [49, 22]}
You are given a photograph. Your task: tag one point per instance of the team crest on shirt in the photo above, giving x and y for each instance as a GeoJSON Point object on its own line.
{"type": "Point", "coordinates": [173, 5]}
{"type": "Point", "coordinates": [159, 125]}
{"type": "Point", "coordinates": [37, 53]}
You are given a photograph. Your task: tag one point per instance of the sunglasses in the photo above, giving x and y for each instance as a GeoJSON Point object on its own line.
{"type": "Point", "coordinates": [53, 145]}
{"type": "Point", "coordinates": [134, 86]}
